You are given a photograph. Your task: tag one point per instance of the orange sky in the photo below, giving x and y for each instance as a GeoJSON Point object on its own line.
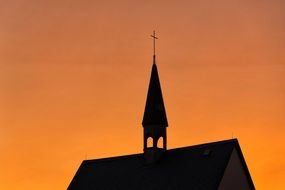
{"type": "Point", "coordinates": [74, 77]}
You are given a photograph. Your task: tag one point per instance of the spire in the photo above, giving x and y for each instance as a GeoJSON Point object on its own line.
{"type": "Point", "coordinates": [154, 118]}
{"type": "Point", "coordinates": [154, 113]}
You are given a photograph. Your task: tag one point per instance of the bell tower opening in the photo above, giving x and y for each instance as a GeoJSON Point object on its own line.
{"type": "Point", "coordinates": [160, 142]}
{"type": "Point", "coordinates": [149, 142]}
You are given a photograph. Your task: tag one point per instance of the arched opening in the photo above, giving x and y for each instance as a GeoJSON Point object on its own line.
{"type": "Point", "coordinates": [149, 142]}
{"type": "Point", "coordinates": [160, 142]}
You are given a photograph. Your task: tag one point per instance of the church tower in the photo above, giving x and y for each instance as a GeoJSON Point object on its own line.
{"type": "Point", "coordinates": [154, 119]}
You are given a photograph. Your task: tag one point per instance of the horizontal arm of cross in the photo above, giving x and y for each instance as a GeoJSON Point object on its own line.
{"type": "Point", "coordinates": [154, 36]}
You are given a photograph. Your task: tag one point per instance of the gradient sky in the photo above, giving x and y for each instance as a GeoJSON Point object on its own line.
{"type": "Point", "coordinates": [74, 77]}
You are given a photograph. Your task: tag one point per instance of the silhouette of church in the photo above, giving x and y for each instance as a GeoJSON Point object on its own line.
{"type": "Point", "coordinates": [211, 166]}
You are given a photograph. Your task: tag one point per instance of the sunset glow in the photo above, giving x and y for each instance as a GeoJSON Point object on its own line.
{"type": "Point", "coordinates": [74, 77]}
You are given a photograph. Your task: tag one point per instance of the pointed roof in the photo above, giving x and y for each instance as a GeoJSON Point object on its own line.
{"type": "Point", "coordinates": [154, 113]}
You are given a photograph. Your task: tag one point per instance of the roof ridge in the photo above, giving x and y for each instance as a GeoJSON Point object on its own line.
{"type": "Point", "coordinates": [205, 144]}
{"type": "Point", "coordinates": [112, 158]}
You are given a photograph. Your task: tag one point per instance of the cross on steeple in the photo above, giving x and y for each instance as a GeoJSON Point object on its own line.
{"type": "Point", "coordinates": [154, 38]}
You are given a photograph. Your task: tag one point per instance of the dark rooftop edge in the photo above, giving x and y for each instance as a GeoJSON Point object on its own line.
{"type": "Point", "coordinates": [169, 150]}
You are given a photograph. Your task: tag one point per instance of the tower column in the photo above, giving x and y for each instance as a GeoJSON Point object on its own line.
{"type": "Point", "coordinates": [165, 140]}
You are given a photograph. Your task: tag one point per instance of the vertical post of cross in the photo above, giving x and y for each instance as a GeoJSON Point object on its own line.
{"type": "Point", "coordinates": [154, 38]}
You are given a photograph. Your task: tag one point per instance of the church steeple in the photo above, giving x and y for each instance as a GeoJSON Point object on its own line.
{"type": "Point", "coordinates": [154, 119]}
{"type": "Point", "coordinates": [154, 113]}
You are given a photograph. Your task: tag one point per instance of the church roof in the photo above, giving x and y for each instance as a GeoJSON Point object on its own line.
{"type": "Point", "coordinates": [154, 113]}
{"type": "Point", "coordinates": [198, 167]}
